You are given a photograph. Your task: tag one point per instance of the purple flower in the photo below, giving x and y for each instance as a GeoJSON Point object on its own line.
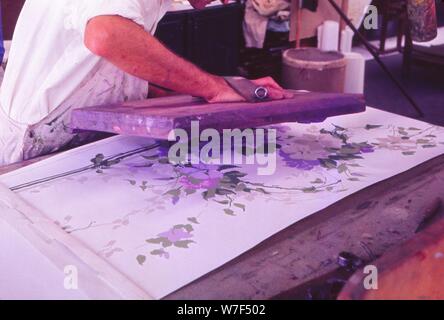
{"type": "Point", "coordinates": [302, 164]}
{"type": "Point", "coordinates": [368, 149]}
{"type": "Point", "coordinates": [195, 179]}
{"type": "Point", "coordinates": [174, 235]}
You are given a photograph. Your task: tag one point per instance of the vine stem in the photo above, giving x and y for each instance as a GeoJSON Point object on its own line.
{"type": "Point", "coordinates": [290, 189]}
{"type": "Point", "coordinates": [105, 163]}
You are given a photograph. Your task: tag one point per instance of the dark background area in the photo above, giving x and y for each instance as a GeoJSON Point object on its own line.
{"type": "Point", "coordinates": [213, 39]}
{"type": "Point", "coordinates": [10, 11]}
{"type": "Point", "coordinates": [425, 83]}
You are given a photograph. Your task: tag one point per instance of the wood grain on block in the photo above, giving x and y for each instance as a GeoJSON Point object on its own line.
{"type": "Point", "coordinates": [155, 118]}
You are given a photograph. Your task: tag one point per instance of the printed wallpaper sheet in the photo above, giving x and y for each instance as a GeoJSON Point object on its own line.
{"type": "Point", "coordinates": [163, 226]}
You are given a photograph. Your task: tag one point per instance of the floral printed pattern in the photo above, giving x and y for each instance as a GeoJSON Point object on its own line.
{"type": "Point", "coordinates": [314, 151]}
{"type": "Point", "coordinates": [312, 161]}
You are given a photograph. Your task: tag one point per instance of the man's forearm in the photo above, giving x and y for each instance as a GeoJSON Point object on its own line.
{"type": "Point", "coordinates": [129, 47]}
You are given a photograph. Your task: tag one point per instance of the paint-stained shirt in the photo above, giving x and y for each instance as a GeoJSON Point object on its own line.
{"type": "Point", "coordinates": [50, 72]}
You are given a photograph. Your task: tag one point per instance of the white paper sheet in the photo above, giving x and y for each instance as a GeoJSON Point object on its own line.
{"type": "Point", "coordinates": [163, 227]}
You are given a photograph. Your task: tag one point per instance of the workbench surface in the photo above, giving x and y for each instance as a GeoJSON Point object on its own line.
{"type": "Point", "coordinates": [366, 224]}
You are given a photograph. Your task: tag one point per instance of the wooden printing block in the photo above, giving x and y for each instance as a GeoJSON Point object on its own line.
{"type": "Point", "coordinates": [156, 118]}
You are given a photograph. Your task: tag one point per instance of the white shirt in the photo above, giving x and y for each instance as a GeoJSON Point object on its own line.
{"type": "Point", "coordinates": [50, 71]}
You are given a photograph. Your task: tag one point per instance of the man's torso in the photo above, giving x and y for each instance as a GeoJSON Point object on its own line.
{"type": "Point", "coordinates": [50, 71]}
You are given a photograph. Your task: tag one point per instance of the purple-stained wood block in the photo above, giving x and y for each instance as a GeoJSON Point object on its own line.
{"type": "Point", "coordinates": [155, 118]}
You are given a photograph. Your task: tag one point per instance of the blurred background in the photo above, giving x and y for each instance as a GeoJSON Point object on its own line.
{"type": "Point", "coordinates": [249, 38]}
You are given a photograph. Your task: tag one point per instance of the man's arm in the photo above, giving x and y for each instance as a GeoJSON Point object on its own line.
{"type": "Point", "coordinates": [130, 48]}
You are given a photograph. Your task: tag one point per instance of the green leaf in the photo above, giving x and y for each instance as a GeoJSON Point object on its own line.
{"type": "Point", "coordinates": [194, 180]}
{"type": "Point", "coordinates": [350, 150]}
{"type": "Point", "coordinates": [132, 182]}
{"type": "Point", "coordinates": [141, 259]}
{"type": "Point", "coordinates": [262, 190]}
{"type": "Point", "coordinates": [371, 127]}
{"type": "Point", "coordinates": [185, 244]}
{"type": "Point", "coordinates": [224, 192]}
{"type": "Point", "coordinates": [328, 163]}
{"type": "Point", "coordinates": [240, 205]}
{"type": "Point", "coordinates": [342, 168]}
{"type": "Point", "coordinates": [189, 192]}
{"type": "Point", "coordinates": [223, 202]}
{"type": "Point", "coordinates": [403, 133]}
{"type": "Point", "coordinates": [317, 181]}
{"type": "Point", "coordinates": [229, 212]}
{"type": "Point", "coordinates": [226, 167]}
{"type": "Point", "coordinates": [167, 243]}
{"type": "Point", "coordinates": [357, 174]}
{"type": "Point", "coordinates": [98, 159]}
{"type": "Point", "coordinates": [310, 190]}
{"type": "Point", "coordinates": [209, 194]}
{"type": "Point", "coordinates": [174, 192]}
{"type": "Point", "coordinates": [339, 128]}
{"type": "Point", "coordinates": [164, 161]}
{"type": "Point", "coordinates": [156, 240]}
{"type": "Point", "coordinates": [159, 252]}
{"type": "Point", "coordinates": [193, 220]}
{"type": "Point", "coordinates": [111, 163]}
{"type": "Point", "coordinates": [236, 174]}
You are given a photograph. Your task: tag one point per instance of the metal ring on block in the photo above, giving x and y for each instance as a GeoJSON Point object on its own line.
{"type": "Point", "coordinates": [261, 93]}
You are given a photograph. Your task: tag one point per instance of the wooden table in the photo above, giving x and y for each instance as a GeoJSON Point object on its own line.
{"type": "Point", "coordinates": [366, 224]}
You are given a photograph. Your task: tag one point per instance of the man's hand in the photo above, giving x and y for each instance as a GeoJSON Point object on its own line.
{"type": "Point", "coordinates": [227, 94]}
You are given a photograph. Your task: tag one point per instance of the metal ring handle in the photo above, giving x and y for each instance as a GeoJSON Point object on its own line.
{"type": "Point", "coordinates": [261, 93]}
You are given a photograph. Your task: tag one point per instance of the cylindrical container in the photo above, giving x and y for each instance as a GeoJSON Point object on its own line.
{"type": "Point", "coordinates": [423, 20]}
{"type": "Point", "coordinates": [314, 70]}
{"type": "Point", "coordinates": [354, 73]}
{"type": "Point", "coordinates": [330, 36]}
{"type": "Point", "coordinates": [346, 40]}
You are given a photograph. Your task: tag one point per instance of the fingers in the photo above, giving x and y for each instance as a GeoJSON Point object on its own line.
{"type": "Point", "coordinates": [268, 82]}
{"type": "Point", "coordinates": [275, 91]}
{"type": "Point", "coordinates": [288, 95]}
{"type": "Point", "coordinates": [276, 94]}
